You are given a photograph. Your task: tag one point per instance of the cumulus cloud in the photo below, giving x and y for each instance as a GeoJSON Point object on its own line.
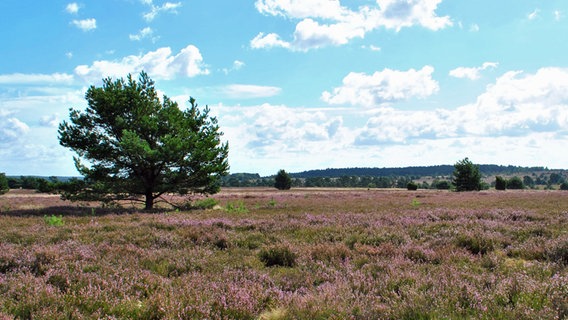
{"type": "Point", "coordinates": [169, 7]}
{"type": "Point", "coordinates": [327, 22]}
{"type": "Point", "coordinates": [268, 41]}
{"type": "Point", "coordinates": [11, 129]}
{"type": "Point", "coordinates": [516, 105]}
{"type": "Point", "coordinates": [472, 73]}
{"type": "Point", "coordinates": [86, 24]}
{"type": "Point", "coordinates": [237, 65]}
{"type": "Point", "coordinates": [50, 121]}
{"type": "Point", "coordinates": [142, 34]}
{"type": "Point", "coordinates": [161, 63]}
{"type": "Point", "coordinates": [246, 91]}
{"type": "Point", "coordinates": [72, 8]}
{"type": "Point", "coordinates": [533, 15]}
{"type": "Point", "coordinates": [383, 86]}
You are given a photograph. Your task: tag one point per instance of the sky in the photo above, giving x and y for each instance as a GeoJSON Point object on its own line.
{"type": "Point", "coordinates": [301, 84]}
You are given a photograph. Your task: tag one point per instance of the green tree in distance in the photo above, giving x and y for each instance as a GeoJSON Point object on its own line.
{"type": "Point", "coordinates": [282, 180]}
{"type": "Point", "coordinates": [500, 183]}
{"type": "Point", "coordinates": [515, 183]}
{"type": "Point", "coordinates": [3, 183]}
{"type": "Point", "coordinates": [466, 176]}
{"type": "Point", "coordinates": [139, 145]}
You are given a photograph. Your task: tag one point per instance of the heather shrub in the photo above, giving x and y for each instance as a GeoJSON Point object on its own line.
{"type": "Point", "coordinates": [558, 252]}
{"type": "Point", "coordinates": [251, 241]}
{"type": "Point", "coordinates": [330, 252]}
{"type": "Point", "coordinates": [476, 243]}
{"type": "Point", "coordinates": [277, 256]}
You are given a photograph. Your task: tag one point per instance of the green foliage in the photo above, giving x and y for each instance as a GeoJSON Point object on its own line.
{"type": "Point", "coordinates": [277, 256]}
{"type": "Point", "coordinates": [138, 144]}
{"type": "Point", "coordinates": [411, 186]}
{"type": "Point", "coordinates": [515, 183]}
{"type": "Point", "coordinates": [54, 221]}
{"type": "Point", "coordinates": [3, 184]}
{"type": "Point", "coordinates": [564, 186]}
{"type": "Point", "coordinates": [500, 183]}
{"type": "Point", "coordinates": [466, 176]}
{"type": "Point", "coordinates": [415, 203]}
{"type": "Point", "coordinates": [207, 203]}
{"type": "Point", "coordinates": [442, 185]}
{"type": "Point", "coordinates": [236, 207]}
{"type": "Point", "coordinates": [282, 180]}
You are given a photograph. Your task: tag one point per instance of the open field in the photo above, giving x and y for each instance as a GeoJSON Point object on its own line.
{"type": "Point", "coordinates": [301, 254]}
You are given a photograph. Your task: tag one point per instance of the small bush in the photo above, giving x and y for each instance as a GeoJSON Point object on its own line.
{"type": "Point", "coordinates": [559, 253]}
{"type": "Point", "coordinates": [238, 207]}
{"type": "Point", "coordinates": [277, 256]}
{"type": "Point", "coordinates": [412, 186]}
{"type": "Point", "coordinates": [476, 244]}
{"type": "Point", "coordinates": [207, 203]}
{"type": "Point", "coordinates": [54, 221]}
{"type": "Point", "coordinates": [500, 183]}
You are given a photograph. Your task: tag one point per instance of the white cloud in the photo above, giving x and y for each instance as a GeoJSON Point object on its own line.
{"type": "Point", "coordinates": [327, 22]}
{"type": "Point", "coordinates": [472, 73]}
{"type": "Point", "coordinates": [142, 34]}
{"type": "Point", "coordinates": [557, 15]}
{"type": "Point", "coordinates": [50, 121]}
{"type": "Point", "coordinates": [517, 105]}
{"type": "Point", "coordinates": [237, 65]}
{"type": "Point", "coordinates": [245, 91]}
{"type": "Point", "coordinates": [32, 79]}
{"type": "Point", "coordinates": [158, 64]}
{"type": "Point", "coordinates": [11, 129]}
{"type": "Point", "coordinates": [268, 41]}
{"type": "Point", "coordinates": [72, 8]}
{"type": "Point", "coordinates": [533, 15]}
{"type": "Point", "coordinates": [169, 7]}
{"type": "Point", "coordinates": [383, 86]}
{"type": "Point", "coordinates": [86, 24]}
{"type": "Point", "coordinates": [474, 28]}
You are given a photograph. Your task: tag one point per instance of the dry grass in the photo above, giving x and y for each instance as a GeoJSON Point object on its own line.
{"type": "Point", "coordinates": [356, 254]}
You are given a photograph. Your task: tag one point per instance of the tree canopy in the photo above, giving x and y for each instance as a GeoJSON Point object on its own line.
{"type": "Point", "coordinates": [466, 176]}
{"type": "Point", "coordinates": [137, 144]}
{"type": "Point", "coordinates": [3, 183]}
{"type": "Point", "coordinates": [282, 180]}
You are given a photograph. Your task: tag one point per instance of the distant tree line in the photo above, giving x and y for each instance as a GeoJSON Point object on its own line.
{"type": "Point", "coordinates": [254, 180]}
{"type": "Point", "coordinates": [541, 178]}
{"type": "Point", "coordinates": [421, 171]}
{"type": "Point", "coordinates": [533, 181]}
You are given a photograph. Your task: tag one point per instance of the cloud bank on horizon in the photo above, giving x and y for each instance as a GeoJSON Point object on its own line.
{"type": "Point", "coordinates": [302, 84]}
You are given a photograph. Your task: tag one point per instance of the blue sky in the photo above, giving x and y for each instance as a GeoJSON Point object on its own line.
{"type": "Point", "coordinates": [301, 84]}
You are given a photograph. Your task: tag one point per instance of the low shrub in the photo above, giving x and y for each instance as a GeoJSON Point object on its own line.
{"type": "Point", "coordinates": [476, 244]}
{"type": "Point", "coordinates": [54, 221]}
{"type": "Point", "coordinates": [236, 207]}
{"type": "Point", "coordinates": [277, 256]}
{"type": "Point", "coordinates": [207, 203]}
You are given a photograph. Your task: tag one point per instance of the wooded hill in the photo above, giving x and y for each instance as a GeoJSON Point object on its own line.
{"type": "Point", "coordinates": [423, 171]}
{"type": "Point", "coordinates": [426, 176]}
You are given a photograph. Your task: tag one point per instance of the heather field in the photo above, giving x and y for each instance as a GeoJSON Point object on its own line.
{"type": "Point", "coordinates": [300, 254]}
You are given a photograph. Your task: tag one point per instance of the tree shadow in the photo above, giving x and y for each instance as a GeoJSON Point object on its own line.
{"type": "Point", "coordinates": [75, 211]}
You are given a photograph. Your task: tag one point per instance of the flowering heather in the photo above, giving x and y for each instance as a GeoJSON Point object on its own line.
{"type": "Point", "coordinates": [357, 254]}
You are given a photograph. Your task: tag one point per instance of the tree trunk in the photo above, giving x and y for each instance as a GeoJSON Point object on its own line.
{"type": "Point", "coordinates": [149, 200]}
